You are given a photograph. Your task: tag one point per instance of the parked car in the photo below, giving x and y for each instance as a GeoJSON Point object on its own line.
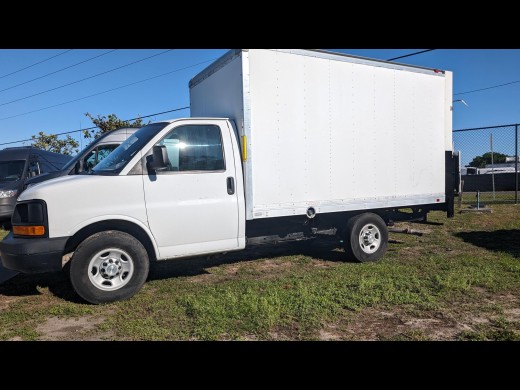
{"type": "Point", "coordinates": [17, 166]}
{"type": "Point", "coordinates": [89, 157]}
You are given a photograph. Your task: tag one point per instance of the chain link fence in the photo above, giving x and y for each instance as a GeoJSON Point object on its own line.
{"type": "Point", "coordinates": [490, 165]}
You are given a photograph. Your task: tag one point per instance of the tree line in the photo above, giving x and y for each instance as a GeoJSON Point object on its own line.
{"type": "Point", "coordinates": [69, 146]}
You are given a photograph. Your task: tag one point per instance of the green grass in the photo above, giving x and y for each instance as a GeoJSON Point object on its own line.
{"type": "Point", "coordinates": [498, 330]}
{"type": "Point", "coordinates": [488, 198]}
{"type": "Point", "coordinates": [460, 281]}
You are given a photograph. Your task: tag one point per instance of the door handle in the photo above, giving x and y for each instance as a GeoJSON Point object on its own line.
{"type": "Point", "coordinates": [230, 185]}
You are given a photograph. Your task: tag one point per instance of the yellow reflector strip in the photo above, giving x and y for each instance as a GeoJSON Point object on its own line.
{"type": "Point", "coordinates": [29, 230]}
{"type": "Point", "coordinates": [244, 148]}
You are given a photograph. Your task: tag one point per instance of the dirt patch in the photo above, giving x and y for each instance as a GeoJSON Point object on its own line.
{"type": "Point", "coordinates": [442, 324]}
{"type": "Point", "coordinates": [269, 266]}
{"type": "Point", "coordinates": [329, 334]}
{"type": "Point", "coordinates": [259, 269]}
{"type": "Point", "coordinates": [55, 328]}
{"type": "Point", "coordinates": [373, 324]}
{"type": "Point", "coordinates": [5, 301]}
{"type": "Point", "coordinates": [512, 314]}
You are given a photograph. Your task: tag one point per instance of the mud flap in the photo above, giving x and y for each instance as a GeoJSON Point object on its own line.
{"type": "Point", "coordinates": [452, 181]}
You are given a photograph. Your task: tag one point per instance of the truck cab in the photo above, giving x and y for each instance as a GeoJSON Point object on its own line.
{"type": "Point", "coordinates": [176, 190]}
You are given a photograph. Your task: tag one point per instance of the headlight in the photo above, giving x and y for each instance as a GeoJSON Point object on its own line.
{"type": "Point", "coordinates": [8, 194]}
{"type": "Point", "coordinates": [30, 219]}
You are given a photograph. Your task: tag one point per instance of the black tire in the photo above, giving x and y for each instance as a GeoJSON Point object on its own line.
{"type": "Point", "coordinates": [80, 263]}
{"type": "Point", "coordinates": [364, 252]}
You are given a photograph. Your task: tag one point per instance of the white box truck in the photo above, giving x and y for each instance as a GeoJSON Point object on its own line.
{"type": "Point", "coordinates": [282, 145]}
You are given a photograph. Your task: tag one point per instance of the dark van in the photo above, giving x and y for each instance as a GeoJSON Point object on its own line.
{"type": "Point", "coordinates": [19, 164]}
{"type": "Point", "coordinates": [90, 156]}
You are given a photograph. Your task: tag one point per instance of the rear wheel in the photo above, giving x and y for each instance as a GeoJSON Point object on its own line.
{"type": "Point", "coordinates": [109, 266]}
{"type": "Point", "coordinates": [366, 237]}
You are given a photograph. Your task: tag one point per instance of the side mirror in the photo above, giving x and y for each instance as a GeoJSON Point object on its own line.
{"type": "Point", "coordinates": [160, 158]}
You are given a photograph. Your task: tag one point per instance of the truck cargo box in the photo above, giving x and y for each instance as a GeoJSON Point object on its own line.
{"type": "Point", "coordinates": [330, 131]}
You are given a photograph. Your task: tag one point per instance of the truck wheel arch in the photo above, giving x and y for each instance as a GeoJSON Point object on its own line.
{"type": "Point", "coordinates": [114, 224]}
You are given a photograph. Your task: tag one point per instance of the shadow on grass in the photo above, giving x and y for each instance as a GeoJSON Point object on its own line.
{"type": "Point", "coordinates": [59, 283]}
{"type": "Point", "coordinates": [321, 250]}
{"type": "Point", "coordinates": [26, 285]}
{"type": "Point", "coordinates": [499, 240]}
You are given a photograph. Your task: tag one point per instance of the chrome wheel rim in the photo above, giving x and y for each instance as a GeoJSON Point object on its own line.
{"type": "Point", "coordinates": [370, 238]}
{"type": "Point", "coordinates": [110, 269]}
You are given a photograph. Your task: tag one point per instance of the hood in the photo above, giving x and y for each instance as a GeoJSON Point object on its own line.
{"type": "Point", "coordinates": [46, 176]}
{"type": "Point", "coordinates": [40, 190]}
{"type": "Point", "coordinates": [9, 185]}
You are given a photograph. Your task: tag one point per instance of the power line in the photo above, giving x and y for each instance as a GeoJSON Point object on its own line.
{"type": "Point", "coordinates": [86, 78]}
{"type": "Point", "coordinates": [59, 70]}
{"type": "Point", "coordinates": [103, 92]}
{"type": "Point", "coordinates": [485, 89]}
{"type": "Point", "coordinates": [409, 55]}
{"type": "Point", "coordinates": [93, 127]}
{"type": "Point", "coordinates": [37, 63]}
{"type": "Point", "coordinates": [460, 93]}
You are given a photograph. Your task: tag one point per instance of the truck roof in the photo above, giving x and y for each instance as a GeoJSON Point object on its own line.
{"type": "Point", "coordinates": [22, 152]}
{"type": "Point", "coordinates": [231, 54]}
{"type": "Point", "coordinates": [117, 135]}
{"type": "Point", "coordinates": [188, 119]}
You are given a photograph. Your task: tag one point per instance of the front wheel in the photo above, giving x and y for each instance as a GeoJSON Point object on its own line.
{"type": "Point", "coordinates": [366, 237]}
{"type": "Point", "coordinates": [109, 266]}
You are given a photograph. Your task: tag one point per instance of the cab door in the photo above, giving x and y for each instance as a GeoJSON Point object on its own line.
{"type": "Point", "coordinates": [192, 205]}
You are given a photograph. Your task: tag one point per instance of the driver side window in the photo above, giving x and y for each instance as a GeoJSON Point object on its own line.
{"type": "Point", "coordinates": [194, 148]}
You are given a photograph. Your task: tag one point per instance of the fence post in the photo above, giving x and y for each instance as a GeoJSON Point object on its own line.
{"type": "Point", "coordinates": [516, 164]}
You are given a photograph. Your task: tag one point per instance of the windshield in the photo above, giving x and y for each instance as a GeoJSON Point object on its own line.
{"type": "Point", "coordinates": [122, 155]}
{"type": "Point", "coordinates": [11, 170]}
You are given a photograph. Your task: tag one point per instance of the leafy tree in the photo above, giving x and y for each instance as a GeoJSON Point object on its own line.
{"type": "Point", "coordinates": [106, 124]}
{"type": "Point", "coordinates": [69, 146]}
{"type": "Point", "coordinates": [51, 143]}
{"type": "Point", "coordinates": [481, 161]}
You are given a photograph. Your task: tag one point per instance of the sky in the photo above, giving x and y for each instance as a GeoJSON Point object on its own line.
{"type": "Point", "coordinates": [473, 69]}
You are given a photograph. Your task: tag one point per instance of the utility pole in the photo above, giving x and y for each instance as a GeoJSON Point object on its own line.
{"type": "Point", "coordinates": [492, 164]}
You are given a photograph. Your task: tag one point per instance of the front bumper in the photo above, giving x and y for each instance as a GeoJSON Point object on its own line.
{"type": "Point", "coordinates": [32, 255]}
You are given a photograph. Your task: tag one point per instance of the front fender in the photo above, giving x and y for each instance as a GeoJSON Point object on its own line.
{"type": "Point", "coordinates": [111, 220]}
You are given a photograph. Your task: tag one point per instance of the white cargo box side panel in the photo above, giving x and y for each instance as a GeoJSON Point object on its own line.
{"type": "Point", "coordinates": [341, 134]}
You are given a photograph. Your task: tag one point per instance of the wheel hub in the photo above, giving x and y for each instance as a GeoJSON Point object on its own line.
{"type": "Point", "coordinates": [110, 269]}
{"type": "Point", "coordinates": [368, 238]}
